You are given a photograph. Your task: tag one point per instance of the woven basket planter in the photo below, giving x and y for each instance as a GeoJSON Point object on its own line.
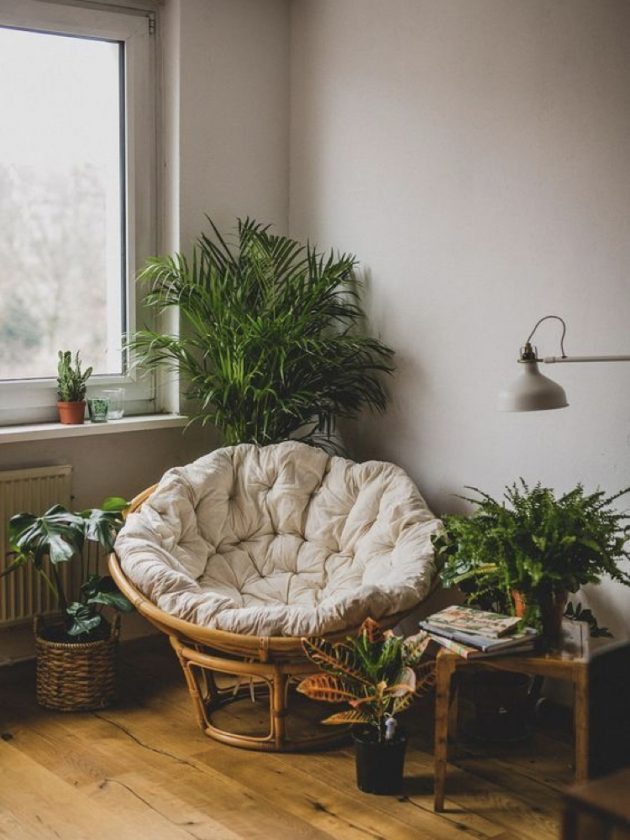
{"type": "Point", "coordinates": [76, 677]}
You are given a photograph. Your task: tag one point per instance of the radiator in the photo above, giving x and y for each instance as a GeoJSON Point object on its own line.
{"type": "Point", "coordinates": [23, 593]}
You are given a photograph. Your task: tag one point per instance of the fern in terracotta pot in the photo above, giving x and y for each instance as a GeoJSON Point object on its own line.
{"type": "Point", "coordinates": [525, 553]}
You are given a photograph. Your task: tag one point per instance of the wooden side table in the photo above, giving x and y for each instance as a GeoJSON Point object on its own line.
{"type": "Point", "coordinates": [569, 663]}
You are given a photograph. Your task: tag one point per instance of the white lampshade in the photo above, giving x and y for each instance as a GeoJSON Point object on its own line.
{"type": "Point", "coordinates": [531, 391]}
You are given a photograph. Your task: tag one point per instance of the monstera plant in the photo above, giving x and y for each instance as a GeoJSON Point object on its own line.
{"type": "Point", "coordinates": [379, 675]}
{"type": "Point", "coordinates": [271, 344]}
{"type": "Point", "coordinates": [75, 659]}
{"type": "Point", "coordinates": [59, 536]}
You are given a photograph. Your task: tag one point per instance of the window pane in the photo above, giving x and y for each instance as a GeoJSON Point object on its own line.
{"type": "Point", "coordinates": [61, 205]}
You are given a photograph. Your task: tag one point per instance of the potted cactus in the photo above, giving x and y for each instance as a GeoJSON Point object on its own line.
{"type": "Point", "coordinates": [379, 675]}
{"type": "Point", "coordinates": [71, 387]}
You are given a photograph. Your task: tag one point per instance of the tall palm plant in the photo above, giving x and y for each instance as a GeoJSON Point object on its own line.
{"type": "Point", "coordinates": [270, 344]}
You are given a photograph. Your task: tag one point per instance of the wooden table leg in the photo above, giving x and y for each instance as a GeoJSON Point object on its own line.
{"type": "Point", "coordinates": [569, 829]}
{"type": "Point", "coordinates": [580, 712]}
{"type": "Point", "coordinates": [453, 712]}
{"type": "Point", "coordinates": [445, 666]}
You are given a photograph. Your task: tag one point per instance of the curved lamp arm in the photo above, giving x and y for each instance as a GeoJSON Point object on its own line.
{"type": "Point", "coordinates": [532, 391]}
{"type": "Point", "coordinates": [528, 353]}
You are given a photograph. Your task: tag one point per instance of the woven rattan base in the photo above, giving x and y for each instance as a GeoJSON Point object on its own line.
{"type": "Point", "coordinates": [276, 661]}
{"type": "Point", "coordinates": [76, 677]}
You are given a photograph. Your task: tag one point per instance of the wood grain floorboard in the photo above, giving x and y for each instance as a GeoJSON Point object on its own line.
{"type": "Point", "coordinates": [142, 769]}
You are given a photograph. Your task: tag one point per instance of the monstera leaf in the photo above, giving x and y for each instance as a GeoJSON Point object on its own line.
{"type": "Point", "coordinates": [57, 534]}
{"type": "Point", "coordinates": [102, 524]}
{"type": "Point", "coordinates": [82, 619]}
{"type": "Point", "coordinates": [103, 590]}
{"type": "Point", "coordinates": [60, 535]}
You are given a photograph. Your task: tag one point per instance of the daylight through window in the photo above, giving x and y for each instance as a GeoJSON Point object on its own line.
{"type": "Point", "coordinates": [62, 213]}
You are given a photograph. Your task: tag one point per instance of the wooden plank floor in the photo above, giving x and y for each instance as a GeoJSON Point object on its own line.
{"type": "Point", "coordinates": [143, 770]}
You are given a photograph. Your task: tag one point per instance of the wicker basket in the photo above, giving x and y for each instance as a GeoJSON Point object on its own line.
{"type": "Point", "coordinates": [76, 677]}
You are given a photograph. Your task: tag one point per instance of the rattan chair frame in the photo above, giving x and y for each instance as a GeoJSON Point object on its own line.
{"type": "Point", "coordinates": [273, 662]}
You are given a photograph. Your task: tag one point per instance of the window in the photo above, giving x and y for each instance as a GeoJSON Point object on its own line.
{"type": "Point", "coordinates": [77, 195]}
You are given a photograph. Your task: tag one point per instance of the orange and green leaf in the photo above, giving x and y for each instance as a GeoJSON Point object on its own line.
{"type": "Point", "coordinates": [350, 717]}
{"type": "Point", "coordinates": [401, 704]}
{"type": "Point", "coordinates": [406, 683]}
{"type": "Point", "coordinates": [333, 658]}
{"type": "Point", "coordinates": [372, 629]}
{"type": "Point", "coordinates": [327, 688]}
{"type": "Point", "coordinates": [425, 677]}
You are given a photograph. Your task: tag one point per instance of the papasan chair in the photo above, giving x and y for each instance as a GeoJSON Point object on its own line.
{"type": "Point", "coordinates": [240, 554]}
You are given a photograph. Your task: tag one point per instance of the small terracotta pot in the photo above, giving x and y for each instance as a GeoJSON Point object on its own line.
{"type": "Point", "coordinates": [71, 413]}
{"type": "Point", "coordinates": [520, 605]}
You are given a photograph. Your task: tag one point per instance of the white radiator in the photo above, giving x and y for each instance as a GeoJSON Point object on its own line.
{"type": "Point", "coordinates": [23, 593]}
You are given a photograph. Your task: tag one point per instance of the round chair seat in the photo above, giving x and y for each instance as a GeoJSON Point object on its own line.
{"type": "Point", "coordinates": [283, 540]}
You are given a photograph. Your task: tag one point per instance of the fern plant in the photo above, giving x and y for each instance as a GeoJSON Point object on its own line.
{"type": "Point", "coordinates": [534, 543]}
{"type": "Point", "coordinates": [377, 673]}
{"type": "Point", "coordinates": [270, 343]}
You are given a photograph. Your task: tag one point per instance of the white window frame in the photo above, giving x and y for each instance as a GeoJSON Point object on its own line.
{"type": "Point", "coordinates": [33, 400]}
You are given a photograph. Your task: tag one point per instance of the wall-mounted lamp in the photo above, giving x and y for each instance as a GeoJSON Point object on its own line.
{"type": "Point", "coordinates": [531, 391]}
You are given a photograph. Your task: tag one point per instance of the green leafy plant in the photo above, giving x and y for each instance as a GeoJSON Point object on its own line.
{"type": "Point", "coordinates": [534, 543]}
{"type": "Point", "coordinates": [579, 613]}
{"type": "Point", "coordinates": [270, 345]}
{"type": "Point", "coordinates": [377, 673]}
{"type": "Point", "coordinates": [59, 536]}
{"type": "Point", "coordinates": [71, 380]}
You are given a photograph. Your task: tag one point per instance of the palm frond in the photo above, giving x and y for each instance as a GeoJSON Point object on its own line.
{"type": "Point", "coordinates": [271, 340]}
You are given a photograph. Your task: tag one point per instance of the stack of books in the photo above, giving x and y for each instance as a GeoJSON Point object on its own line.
{"type": "Point", "coordinates": [475, 633]}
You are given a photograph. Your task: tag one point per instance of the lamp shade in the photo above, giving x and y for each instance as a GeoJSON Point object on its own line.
{"type": "Point", "coordinates": [531, 391]}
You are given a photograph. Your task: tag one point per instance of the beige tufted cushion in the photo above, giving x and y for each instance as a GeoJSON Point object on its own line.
{"type": "Point", "coordinates": [281, 540]}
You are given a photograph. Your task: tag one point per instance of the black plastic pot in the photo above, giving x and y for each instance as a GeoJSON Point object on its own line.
{"type": "Point", "coordinates": [380, 765]}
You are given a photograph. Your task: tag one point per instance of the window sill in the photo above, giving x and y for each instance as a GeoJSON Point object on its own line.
{"type": "Point", "coordinates": [47, 431]}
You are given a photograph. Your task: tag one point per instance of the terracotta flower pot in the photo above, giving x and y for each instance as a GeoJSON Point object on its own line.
{"type": "Point", "coordinates": [520, 604]}
{"type": "Point", "coordinates": [71, 413]}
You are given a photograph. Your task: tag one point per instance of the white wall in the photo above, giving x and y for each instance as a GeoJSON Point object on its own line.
{"type": "Point", "coordinates": [234, 112]}
{"type": "Point", "coordinates": [475, 155]}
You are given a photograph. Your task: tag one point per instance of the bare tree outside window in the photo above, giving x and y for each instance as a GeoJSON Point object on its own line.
{"type": "Point", "coordinates": [61, 208]}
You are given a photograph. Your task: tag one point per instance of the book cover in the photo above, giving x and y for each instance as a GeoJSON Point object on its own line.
{"type": "Point", "coordinates": [468, 652]}
{"type": "Point", "coordinates": [474, 622]}
{"type": "Point", "coordinates": [480, 642]}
